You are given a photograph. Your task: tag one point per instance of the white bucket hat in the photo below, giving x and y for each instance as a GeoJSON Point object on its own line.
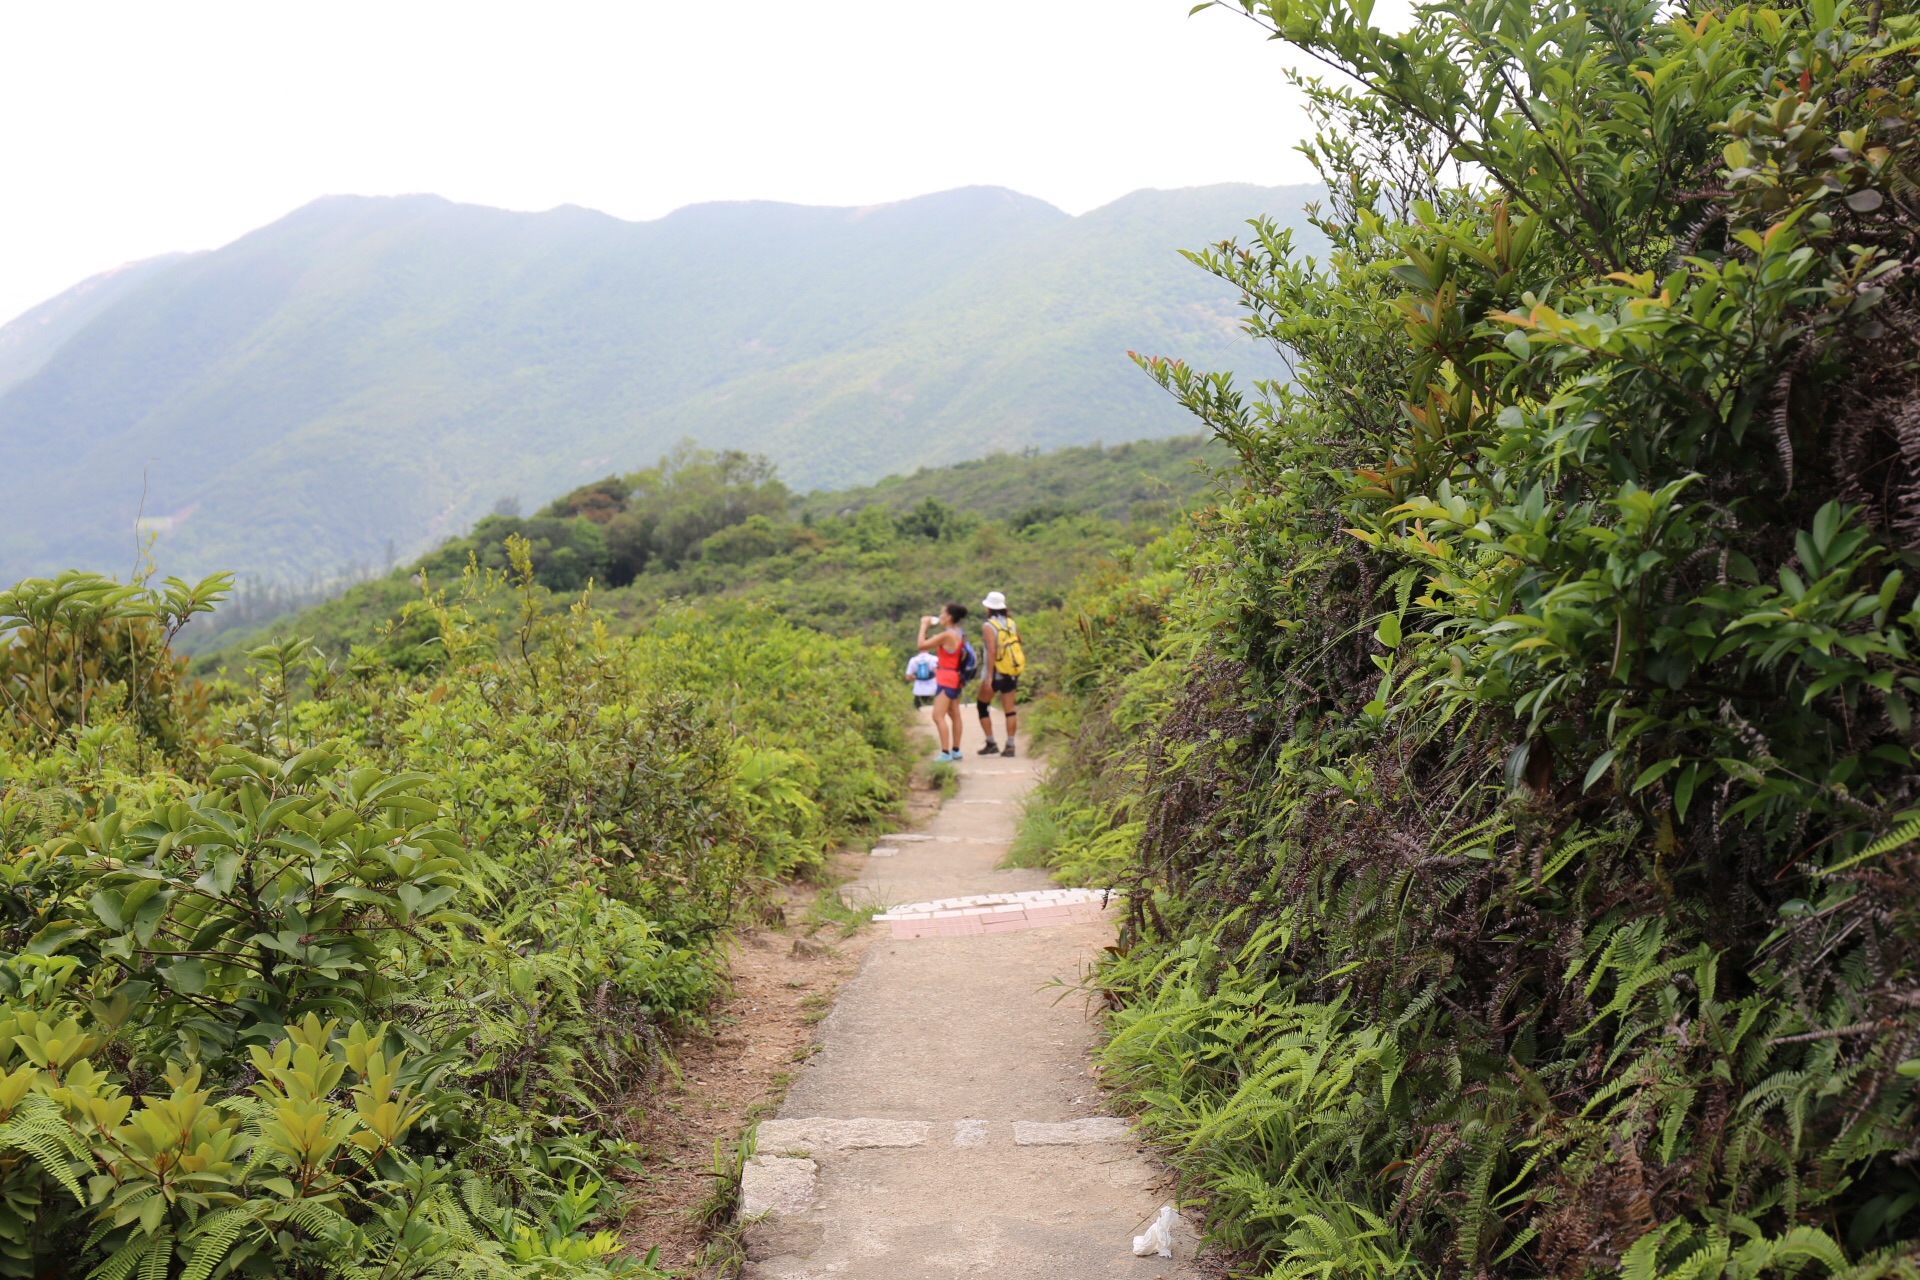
{"type": "Point", "coordinates": [995, 600]}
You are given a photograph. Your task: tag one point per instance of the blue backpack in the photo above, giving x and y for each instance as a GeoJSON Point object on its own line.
{"type": "Point", "coordinates": [969, 662]}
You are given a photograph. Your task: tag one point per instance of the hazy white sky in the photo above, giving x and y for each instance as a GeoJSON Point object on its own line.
{"type": "Point", "coordinates": [134, 128]}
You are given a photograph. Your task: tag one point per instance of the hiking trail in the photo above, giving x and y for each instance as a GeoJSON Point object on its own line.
{"type": "Point", "coordinates": [950, 1124]}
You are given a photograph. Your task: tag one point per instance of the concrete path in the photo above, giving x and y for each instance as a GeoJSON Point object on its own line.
{"type": "Point", "coordinates": [949, 1125]}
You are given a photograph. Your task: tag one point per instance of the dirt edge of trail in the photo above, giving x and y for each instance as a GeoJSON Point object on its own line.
{"type": "Point", "coordinates": [784, 975]}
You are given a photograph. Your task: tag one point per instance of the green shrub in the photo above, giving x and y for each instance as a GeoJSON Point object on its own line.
{"type": "Point", "coordinates": [354, 970]}
{"type": "Point", "coordinates": [1522, 768]}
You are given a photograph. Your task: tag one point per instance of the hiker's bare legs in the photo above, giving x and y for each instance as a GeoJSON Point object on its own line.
{"type": "Point", "coordinates": [983, 705]}
{"type": "Point", "coordinates": [942, 719]}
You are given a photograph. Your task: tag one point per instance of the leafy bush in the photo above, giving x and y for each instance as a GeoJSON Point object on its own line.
{"type": "Point", "coordinates": [357, 969]}
{"type": "Point", "coordinates": [1523, 779]}
{"type": "Point", "coordinates": [81, 637]}
{"type": "Point", "coordinates": [614, 529]}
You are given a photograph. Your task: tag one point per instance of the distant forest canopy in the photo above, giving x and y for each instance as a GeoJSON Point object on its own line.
{"type": "Point", "coordinates": [730, 508]}
{"type": "Point", "coordinates": [692, 504]}
{"type": "Point", "coordinates": [702, 524]}
{"type": "Point", "coordinates": [345, 388]}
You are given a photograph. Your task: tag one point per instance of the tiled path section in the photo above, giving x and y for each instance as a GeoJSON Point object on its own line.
{"type": "Point", "coordinates": [784, 1176]}
{"type": "Point", "coordinates": [950, 1124]}
{"type": "Point", "coordinates": [994, 913]}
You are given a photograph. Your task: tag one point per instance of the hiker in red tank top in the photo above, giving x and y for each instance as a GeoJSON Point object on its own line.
{"type": "Point", "coordinates": [948, 646]}
{"type": "Point", "coordinates": [948, 679]}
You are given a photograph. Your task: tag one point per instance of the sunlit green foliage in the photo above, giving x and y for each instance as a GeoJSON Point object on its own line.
{"type": "Point", "coordinates": [355, 968]}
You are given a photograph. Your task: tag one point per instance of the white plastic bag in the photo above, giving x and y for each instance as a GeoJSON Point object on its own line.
{"type": "Point", "coordinates": [1159, 1237]}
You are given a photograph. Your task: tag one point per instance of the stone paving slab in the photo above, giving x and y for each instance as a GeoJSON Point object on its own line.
{"type": "Point", "coordinates": [811, 1135]}
{"type": "Point", "coordinates": [1023, 898]}
{"type": "Point", "coordinates": [985, 913]}
{"type": "Point", "coordinates": [1025, 1213]}
{"type": "Point", "coordinates": [815, 1133]}
{"type": "Point", "coordinates": [773, 1185]}
{"type": "Point", "coordinates": [1072, 1133]}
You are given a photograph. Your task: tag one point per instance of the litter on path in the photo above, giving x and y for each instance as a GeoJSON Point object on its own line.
{"type": "Point", "coordinates": [1159, 1236]}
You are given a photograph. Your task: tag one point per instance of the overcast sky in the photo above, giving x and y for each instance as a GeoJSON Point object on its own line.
{"type": "Point", "coordinates": [134, 128]}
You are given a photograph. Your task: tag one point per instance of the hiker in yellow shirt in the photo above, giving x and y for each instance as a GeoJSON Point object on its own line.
{"type": "Point", "coordinates": [1001, 663]}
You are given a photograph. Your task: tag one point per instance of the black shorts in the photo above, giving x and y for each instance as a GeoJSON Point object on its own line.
{"type": "Point", "coordinates": [1003, 683]}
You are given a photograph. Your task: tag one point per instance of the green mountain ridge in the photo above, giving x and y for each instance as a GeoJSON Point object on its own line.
{"type": "Point", "coordinates": [30, 339]}
{"type": "Point", "coordinates": [369, 374]}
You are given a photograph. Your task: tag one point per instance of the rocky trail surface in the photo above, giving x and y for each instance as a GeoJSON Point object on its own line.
{"type": "Point", "coordinates": [949, 1124]}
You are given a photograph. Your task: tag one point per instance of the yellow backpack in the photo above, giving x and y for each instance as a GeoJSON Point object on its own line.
{"type": "Point", "coordinates": [1009, 659]}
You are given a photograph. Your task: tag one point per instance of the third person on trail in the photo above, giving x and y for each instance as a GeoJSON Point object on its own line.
{"type": "Point", "coordinates": [1001, 663]}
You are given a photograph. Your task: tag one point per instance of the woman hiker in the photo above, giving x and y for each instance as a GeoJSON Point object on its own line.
{"type": "Point", "coordinates": [949, 646]}
{"type": "Point", "coordinates": [1000, 667]}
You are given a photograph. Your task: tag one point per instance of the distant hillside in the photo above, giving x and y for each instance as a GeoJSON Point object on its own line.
{"type": "Point", "coordinates": [1126, 482]}
{"type": "Point", "coordinates": [375, 373]}
{"type": "Point", "coordinates": [29, 341]}
{"type": "Point", "coordinates": [722, 528]}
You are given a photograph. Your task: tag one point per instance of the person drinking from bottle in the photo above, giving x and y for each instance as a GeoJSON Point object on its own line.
{"type": "Point", "coordinates": [949, 646]}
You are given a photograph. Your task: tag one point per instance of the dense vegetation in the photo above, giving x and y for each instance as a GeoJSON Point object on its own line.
{"type": "Point", "coordinates": [1137, 483]}
{"type": "Point", "coordinates": [354, 955]}
{"type": "Point", "coordinates": [369, 982]}
{"type": "Point", "coordinates": [1514, 771]}
{"type": "Point", "coordinates": [720, 528]}
{"type": "Point", "coordinates": [350, 385]}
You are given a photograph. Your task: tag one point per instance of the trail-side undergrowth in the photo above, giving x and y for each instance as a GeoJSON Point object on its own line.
{"type": "Point", "coordinates": [1514, 771]}
{"type": "Point", "coordinates": [368, 981]}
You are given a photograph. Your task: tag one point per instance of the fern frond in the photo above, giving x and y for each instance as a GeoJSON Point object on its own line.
{"type": "Point", "coordinates": [121, 1264]}
{"type": "Point", "coordinates": [51, 1145]}
{"type": "Point", "coordinates": [159, 1259]}
{"type": "Point", "coordinates": [1904, 834]}
{"type": "Point", "coordinates": [214, 1237]}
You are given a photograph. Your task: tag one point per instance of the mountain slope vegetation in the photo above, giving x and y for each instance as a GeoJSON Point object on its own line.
{"type": "Point", "coordinates": [1141, 481]}
{"type": "Point", "coordinates": [722, 531]}
{"type": "Point", "coordinates": [29, 340]}
{"type": "Point", "coordinates": [366, 376]}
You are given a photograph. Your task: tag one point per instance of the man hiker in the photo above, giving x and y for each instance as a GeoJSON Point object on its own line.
{"type": "Point", "coordinates": [949, 647]}
{"type": "Point", "coordinates": [1000, 667]}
